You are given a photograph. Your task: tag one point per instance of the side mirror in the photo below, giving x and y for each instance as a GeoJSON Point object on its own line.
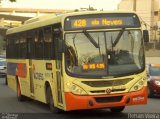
{"type": "Point", "coordinates": [146, 35]}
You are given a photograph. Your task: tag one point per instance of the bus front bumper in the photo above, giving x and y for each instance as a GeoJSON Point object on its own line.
{"type": "Point", "coordinates": [76, 102]}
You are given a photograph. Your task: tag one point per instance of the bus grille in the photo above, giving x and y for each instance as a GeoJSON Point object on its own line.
{"type": "Point", "coordinates": [108, 99]}
{"type": "Point", "coordinates": [104, 91]}
{"type": "Point", "coordinates": [107, 83]}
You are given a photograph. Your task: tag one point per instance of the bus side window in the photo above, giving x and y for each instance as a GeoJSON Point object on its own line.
{"type": "Point", "coordinates": [31, 44]}
{"type": "Point", "coordinates": [39, 38]}
{"type": "Point", "coordinates": [47, 43]}
{"type": "Point", "coordinates": [17, 48]}
{"type": "Point", "coordinates": [7, 47]}
{"type": "Point", "coordinates": [12, 48]}
{"type": "Point", "coordinates": [23, 46]}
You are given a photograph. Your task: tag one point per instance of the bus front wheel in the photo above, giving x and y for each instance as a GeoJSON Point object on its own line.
{"type": "Point", "coordinates": [117, 109]}
{"type": "Point", "coordinates": [51, 102]}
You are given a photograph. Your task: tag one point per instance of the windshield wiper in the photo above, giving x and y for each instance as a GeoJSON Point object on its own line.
{"type": "Point", "coordinates": [75, 45]}
{"type": "Point", "coordinates": [90, 38]}
{"type": "Point", "coordinates": [118, 37]}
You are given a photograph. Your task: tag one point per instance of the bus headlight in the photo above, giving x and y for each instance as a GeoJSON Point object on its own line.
{"type": "Point", "coordinates": [138, 85]}
{"type": "Point", "coordinates": [77, 90]}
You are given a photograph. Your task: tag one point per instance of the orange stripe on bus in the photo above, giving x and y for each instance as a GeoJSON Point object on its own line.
{"type": "Point", "coordinates": [77, 102]}
{"type": "Point", "coordinates": [21, 70]}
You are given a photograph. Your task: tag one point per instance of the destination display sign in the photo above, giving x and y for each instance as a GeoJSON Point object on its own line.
{"type": "Point", "coordinates": [99, 21]}
{"type": "Point", "coordinates": [100, 66]}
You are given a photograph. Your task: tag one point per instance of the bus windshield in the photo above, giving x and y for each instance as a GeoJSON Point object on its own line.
{"type": "Point", "coordinates": [116, 53]}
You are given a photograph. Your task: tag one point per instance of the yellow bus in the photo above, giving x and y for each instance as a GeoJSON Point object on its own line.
{"type": "Point", "coordinates": [79, 60]}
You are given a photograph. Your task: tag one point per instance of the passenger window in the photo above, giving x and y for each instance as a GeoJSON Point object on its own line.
{"type": "Point", "coordinates": [31, 44]}
{"type": "Point", "coordinates": [23, 46]}
{"type": "Point", "coordinates": [17, 48]}
{"type": "Point", "coordinates": [39, 38]}
{"type": "Point", "coordinates": [48, 43]}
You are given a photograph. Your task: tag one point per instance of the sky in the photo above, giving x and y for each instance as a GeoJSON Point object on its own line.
{"type": "Point", "coordinates": [62, 4]}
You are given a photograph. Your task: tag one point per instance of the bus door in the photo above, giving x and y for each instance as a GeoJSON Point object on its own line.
{"type": "Point", "coordinates": [30, 42]}
{"type": "Point", "coordinates": [57, 36]}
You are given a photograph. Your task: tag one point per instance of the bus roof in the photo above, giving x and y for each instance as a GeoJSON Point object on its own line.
{"type": "Point", "coordinates": [47, 20]}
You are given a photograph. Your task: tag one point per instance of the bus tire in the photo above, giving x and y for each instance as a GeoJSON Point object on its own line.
{"type": "Point", "coordinates": [50, 101]}
{"type": "Point", "coordinates": [117, 109]}
{"type": "Point", "coordinates": [20, 97]}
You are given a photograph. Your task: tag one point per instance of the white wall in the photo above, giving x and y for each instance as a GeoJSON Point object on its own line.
{"type": "Point", "coordinates": [145, 10]}
{"type": "Point", "coordinates": [126, 5]}
{"type": "Point", "coordinates": [156, 5]}
{"type": "Point", "coordinates": [152, 60]}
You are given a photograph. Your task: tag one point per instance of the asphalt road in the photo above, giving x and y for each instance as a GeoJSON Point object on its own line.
{"type": "Point", "coordinates": [10, 107]}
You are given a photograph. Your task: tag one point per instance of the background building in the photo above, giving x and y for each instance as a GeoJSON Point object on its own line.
{"type": "Point", "coordinates": [149, 12]}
